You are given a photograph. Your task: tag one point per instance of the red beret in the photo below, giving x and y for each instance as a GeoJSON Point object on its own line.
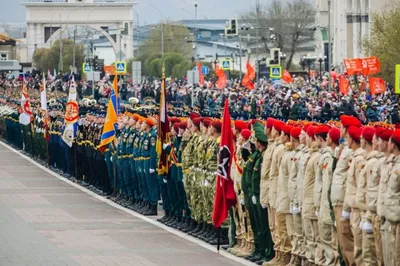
{"type": "Point", "coordinates": [322, 129]}
{"type": "Point", "coordinates": [396, 136]}
{"type": "Point", "coordinates": [246, 133]}
{"type": "Point", "coordinates": [348, 121]}
{"type": "Point", "coordinates": [253, 121]}
{"type": "Point", "coordinates": [334, 133]}
{"type": "Point", "coordinates": [196, 121]}
{"type": "Point", "coordinates": [311, 131]}
{"type": "Point", "coordinates": [174, 120]}
{"type": "Point", "coordinates": [278, 125]}
{"type": "Point", "coordinates": [193, 115]}
{"type": "Point", "coordinates": [206, 122]}
{"type": "Point", "coordinates": [149, 121]}
{"type": "Point", "coordinates": [240, 125]}
{"type": "Point", "coordinates": [183, 125]}
{"type": "Point", "coordinates": [305, 127]}
{"type": "Point", "coordinates": [355, 133]}
{"type": "Point", "coordinates": [176, 127]}
{"type": "Point", "coordinates": [286, 129]}
{"type": "Point", "coordinates": [136, 117]}
{"type": "Point", "coordinates": [368, 133]}
{"type": "Point", "coordinates": [270, 122]}
{"type": "Point", "coordinates": [216, 124]}
{"type": "Point", "coordinates": [385, 134]}
{"type": "Point", "coordinates": [295, 132]}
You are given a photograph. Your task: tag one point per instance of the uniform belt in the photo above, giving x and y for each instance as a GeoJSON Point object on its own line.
{"type": "Point", "coordinates": [106, 150]}
{"type": "Point", "coordinates": [145, 158]}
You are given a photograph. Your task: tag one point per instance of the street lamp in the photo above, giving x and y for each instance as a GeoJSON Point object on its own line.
{"type": "Point", "coordinates": [321, 58]}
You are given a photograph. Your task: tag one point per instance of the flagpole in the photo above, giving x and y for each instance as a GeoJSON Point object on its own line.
{"type": "Point", "coordinates": [219, 238]}
{"type": "Point", "coordinates": [116, 91]}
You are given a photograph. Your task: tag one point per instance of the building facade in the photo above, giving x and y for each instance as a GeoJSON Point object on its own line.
{"type": "Point", "coordinates": [350, 25]}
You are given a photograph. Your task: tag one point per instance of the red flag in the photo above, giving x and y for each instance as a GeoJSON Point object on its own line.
{"type": "Point", "coordinates": [287, 77]}
{"type": "Point", "coordinates": [225, 196]}
{"type": "Point", "coordinates": [353, 66]}
{"type": "Point", "coordinates": [343, 85]}
{"type": "Point", "coordinates": [221, 82]}
{"type": "Point", "coordinates": [371, 65]}
{"type": "Point", "coordinates": [201, 76]}
{"type": "Point", "coordinates": [377, 85]}
{"type": "Point", "coordinates": [163, 131]}
{"type": "Point", "coordinates": [247, 80]}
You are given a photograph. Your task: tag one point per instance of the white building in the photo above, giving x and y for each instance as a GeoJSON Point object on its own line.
{"type": "Point", "coordinates": [350, 25]}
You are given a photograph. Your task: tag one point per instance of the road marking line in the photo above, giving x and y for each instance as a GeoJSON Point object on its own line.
{"type": "Point", "coordinates": [133, 213]}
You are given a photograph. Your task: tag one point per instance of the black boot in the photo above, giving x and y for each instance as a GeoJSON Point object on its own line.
{"type": "Point", "coordinates": [185, 223]}
{"type": "Point", "coordinates": [191, 226]}
{"type": "Point", "coordinates": [198, 229]}
{"type": "Point", "coordinates": [177, 222]}
{"type": "Point", "coordinates": [207, 232]}
{"type": "Point", "coordinates": [165, 217]}
{"type": "Point", "coordinates": [224, 240]}
{"type": "Point", "coordinates": [152, 211]}
{"type": "Point", "coordinates": [171, 221]}
{"type": "Point", "coordinates": [203, 229]}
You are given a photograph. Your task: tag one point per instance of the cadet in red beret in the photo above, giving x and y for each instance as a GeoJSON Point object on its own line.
{"type": "Point", "coordinates": [348, 121]}
{"type": "Point", "coordinates": [240, 125]}
{"type": "Point", "coordinates": [270, 122]}
{"type": "Point", "coordinates": [368, 134]}
{"type": "Point", "coordinates": [334, 135]}
{"type": "Point", "coordinates": [246, 134]}
{"type": "Point", "coordinates": [217, 125]}
{"type": "Point", "coordinates": [195, 124]}
{"type": "Point", "coordinates": [278, 125]}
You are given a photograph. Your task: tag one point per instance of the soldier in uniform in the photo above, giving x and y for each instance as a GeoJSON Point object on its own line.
{"type": "Point", "coordinates": [150, 166]}
{"type": "Point", "coordinates": [298, 143]}
{"type": "Point", "coordinates": [385, 172]}
{"type": "Point", "coordinates": [372, 242]}
{"type": "Point", "coordinates": [338, 189]}
{"type": "Point", "coordinates": [127, 157]}
{"type": "Point", "coordinates": [368, 145]}
{"type": "Point", "coordinates": [137, 168]}
{"type": "Point", "coordinates": [321, 191]}
{"type": "Point", "coordinates": [273, 179]}
{"type": "Point", "coordinates": [310, 224]}
{"type": "Point", "coordinates": [121, 152]}
{"type": "Point", "coordinates": [241, 245]}
{"type": "Point", "coordinates": [391, 201]}
{"type": "Point", "coordinates": [350, 209]}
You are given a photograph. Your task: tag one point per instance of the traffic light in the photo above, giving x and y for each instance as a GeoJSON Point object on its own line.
{"type": "Point", "coordinates": [216, 56]}
{"type": "Point", "coordinates": [275, 59]}
{"type": "Point", "coordinates": [232, 29]}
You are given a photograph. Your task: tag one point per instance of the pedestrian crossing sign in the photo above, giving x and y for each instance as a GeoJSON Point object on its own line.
{"type": "Point", "coordinates": [275, 72]}
{"type": "Point", "coordinates": [86, 68]}
{"type": "Point", "coordinates": [120, 67]}
{"type": "Point", "coordinates": [226, 64]}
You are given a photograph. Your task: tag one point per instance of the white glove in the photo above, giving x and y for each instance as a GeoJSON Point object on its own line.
{"type": "Point", "coordinates": [296, 210]}
{"type": "Point", "coordinates": [254, 200]}
{"type": "Point", "coordinates": [367, 227]}
{"type": "Point", "coordinates": [346, 215]}
{"type": "Point", "coordinates": [206, 184]}
{"type": "Point", "coordinates": [111, 158]}
{"type": "Point", "coordinates": [362, 225]}
{"type": "Point", "coordinates": [316, 213]}
{"type": "Point", "coordinates": [164, 146]}
{"type": "Point", "coordinates": [165, 181]}
{"type": "Point", "coordinates": [152, 171]}
{"type": "Point", "coordinates": [263, 206]}
{"type": "Point", "coordinates": [242, 202]}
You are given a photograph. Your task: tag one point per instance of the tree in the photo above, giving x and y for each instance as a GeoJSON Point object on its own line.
{"type": "Point", "coordinates": [179, 70]}
{"type": "Point", "coordinates": [384, 39]}
{"type": "Point", "coordinates": [289, 22]}
{"type": "Point", "coordinates": [171, 60]}
{"type": "Point", "coordinates": [45, 58]}
{"type": "Point", "coordinates": [155, 67]}
{"type": "Point", "coordinates": [176, 40]}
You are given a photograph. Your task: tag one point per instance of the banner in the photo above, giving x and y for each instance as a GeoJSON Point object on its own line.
{"type": "Point", "coordinates": [287, 77]}
{"type": "Point", "coordinates": [377, 85]}
{"type": "Point", "coordinates": [71, 115]}
{"type": "Point", "coordinates": [225, 196]}
{"type": "Point", "coordinates": [25, 117]}
{"type": "Point", "coordinates": [343, 85]}
{"type": "Point", "coordinates": [43, 104]}
{"type": "Point", "coordinates": [353, 66]}
{"type": "Point", "coordinates": [248, 78]}
{"type": "Point", "coordinates": [221, 82]}
{"type": "Point", "coordinates": [201, 76]}
{"type": "Point", "coordinates": [110, 70]}
{"type": "Point", "coordinates": [371, 65]}
{"type": "Point", "coordinates": [163, 129]}
{"type": "Point", "coordinates": [110, 123]}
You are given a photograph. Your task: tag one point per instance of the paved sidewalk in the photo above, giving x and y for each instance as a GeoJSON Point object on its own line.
{"type": "Point", "coordinates": [45, 221]}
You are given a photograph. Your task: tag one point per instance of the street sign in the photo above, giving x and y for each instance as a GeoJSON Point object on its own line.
{"type": "Point", "coordinates": [205, 70]}
{"type": "Point", "coordinates": [195, 68]}
{"type": "Point", "coordinates": [193, 77]}
{"type": "Point", "coordinates": [93, 76]}
{"type": "Point", "coordinates": [136, 72]}
{"type": "Point", "coordinates": [397, 87]}
{"type": "Point", "coordinates": [120, 67]}
{"type": "Point", "coordinates": [275, 72]}
{"type": "Point", "coordinates": [226, 64]}
{"type": "Point", "coordinates": [86, 68]}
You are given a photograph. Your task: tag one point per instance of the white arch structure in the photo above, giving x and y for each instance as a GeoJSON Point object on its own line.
{"type": "Point", "coordinates": [44, 19]}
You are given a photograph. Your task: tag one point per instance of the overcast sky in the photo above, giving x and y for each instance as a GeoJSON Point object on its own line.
{"type": "Point", "coordinates": [13, 11]}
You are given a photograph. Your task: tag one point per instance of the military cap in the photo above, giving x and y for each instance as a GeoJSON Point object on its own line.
{"type": "Point", "coordinates": [334, 134]}
{"type": "Point", "coordinates": [355, 133]}
{"type": "Point", "coordinates": [183, 125]}
{"type": "Point", "coordinates": [216, 124]}
{"type": "Point", "coordinates": [259, 134]}
{"type": "Point", "coordinates": [278, 125]}
{"type": "Point", "coordinates": [322, 129]}
{"type": "Point", "coordinates": [240, 125]}
{"type": "Point", "coordinates": [368, 133]}
{"type": "Point", "coordinates": [384, 133]}
{"type": "Point", "coordinates": [295, 132]}
{"type": "Point", "coordinates": [348, 121]}
{"type": "Point", "coordinates": [246, 133]}
{"type": "Point", "coordinates": [196, 121]}
{"type": "Point", "coordinates": [396, 136]}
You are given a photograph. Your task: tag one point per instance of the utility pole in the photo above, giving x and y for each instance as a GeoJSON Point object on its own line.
{"type": "Point", "coordinates": [257, 34]}
{"type": "Point", "coordinates": [120, 47]}
{"type": "Point", "coordinates": [329, 45]}
{"type": "Point", "coordinates": [240, 57]}
{"type": "Point", "coordinates": [74, 52]}
{"type": "Point", "coordinates": [162, 42]}
{"type": "Point", "coordinates": [61, 63]}
{"type": "Point", "coordinates": [195, 30]}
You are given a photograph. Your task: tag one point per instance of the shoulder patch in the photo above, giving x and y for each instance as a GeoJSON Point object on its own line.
{"type": "Point", "coordinates": [153, 141]}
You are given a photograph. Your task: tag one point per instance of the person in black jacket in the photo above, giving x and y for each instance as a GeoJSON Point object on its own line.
{"type": "Point", "coordinates": [326, 113]}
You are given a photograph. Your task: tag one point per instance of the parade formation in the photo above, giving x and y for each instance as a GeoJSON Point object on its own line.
{"type": "Point", "coordinates": [308, 189]}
